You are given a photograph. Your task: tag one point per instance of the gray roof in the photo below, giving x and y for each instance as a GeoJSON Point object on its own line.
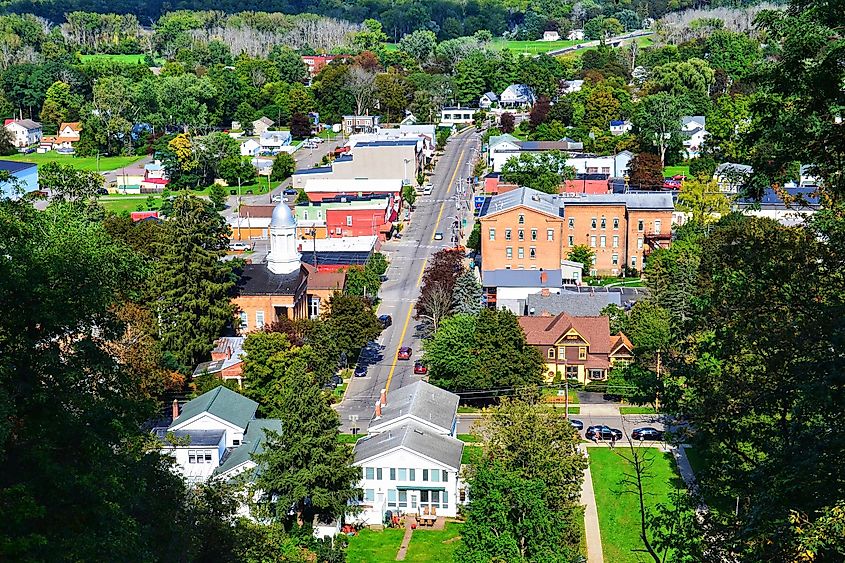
{"type": "Point", "coordinates": [690, 118]}
{"type": "Point", "coordinates": [423, 401]}
{"type": "Point", "coordinates": [223, 403]}
{"type": "Point", "coordinates": [235, 343]}
{"type": "Point", "coordinates": [265, 120]}
{"type": "Point", "coordinates": [253, 443]}
{"type": "Point", "coordinates": [27, 123]}
{"type": "Point", "coordinates": [732, 168]}
{"type": "Point", "coordinates": [491, 96]}
{"type": "Point", "coordinates": [416, 438]}
{"type": "Point", "coordinates": [571, 303]}
{"type": "Point", "coordinates": [662, 201]}
{"type": "Point", "coordinates": [193, 438]}
{"type": "Point", "coordinates": [521, 278]}
{"type": "Point", "coordinates": [539, 201]}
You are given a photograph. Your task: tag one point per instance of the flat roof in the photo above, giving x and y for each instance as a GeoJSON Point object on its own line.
{"type": "Point", "coordinates": [13, 166]}
{"type": "Point", "coordinates": [354, 185]}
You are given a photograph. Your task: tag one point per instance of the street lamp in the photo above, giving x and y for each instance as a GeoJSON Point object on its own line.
{"type": "Point", "coordinates": [405, 162]}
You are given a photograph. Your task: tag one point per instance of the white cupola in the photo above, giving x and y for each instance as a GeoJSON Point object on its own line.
{"type": "Point", "coordinates": [284, 258]}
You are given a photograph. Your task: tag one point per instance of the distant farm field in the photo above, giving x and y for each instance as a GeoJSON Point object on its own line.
{"type": "Point", "coordinates": [126, 59]}
{"type": "Point", "coordinates": [532, 47]}
{"type": "Point", "coordinates": [81, 162]}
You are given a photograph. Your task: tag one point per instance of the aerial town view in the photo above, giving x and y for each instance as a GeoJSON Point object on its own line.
{"type": "Point", "coordinates": [470, 281]}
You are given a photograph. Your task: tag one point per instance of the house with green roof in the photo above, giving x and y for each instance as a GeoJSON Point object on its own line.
{"type": "Point", "coordinates": [219, 409]}
{"type": "Point", "coordinates": [240, 460]}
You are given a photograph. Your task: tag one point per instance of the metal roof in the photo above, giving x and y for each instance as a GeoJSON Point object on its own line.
{"type": "Point", "coordinates": [572, 303]}
{"type": "Point", "coordinates": [257, 279]}
{"type": "Point", "coordinates": [421, 400]}
{"type": "Point", "coordinates": [533, 199]}
{"type": "Point", "coordinates": [389, 143]}
{"type": "Point", "coordinates": [415, 438]}
{"type": "Point", "coordinates": [657, 201]}
{"type": "Point", "coordinates": [253, 443]}
{"type": "Point", "coordinates": [13, 167]}
{"type": "Point", "coordinates": [223, 403]}
{"type": "Point", "coordinates": [521, 278]}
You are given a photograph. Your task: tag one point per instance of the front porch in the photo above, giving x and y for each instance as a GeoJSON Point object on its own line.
{"type": "Point", "coordinates": [579, 372]}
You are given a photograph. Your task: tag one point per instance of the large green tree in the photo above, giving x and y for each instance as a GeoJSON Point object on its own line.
{"type": "Point", "coordinates": [544, 171]}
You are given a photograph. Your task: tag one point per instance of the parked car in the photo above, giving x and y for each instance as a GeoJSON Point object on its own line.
{"type": "Point", "coordinates": [647, 433]}
{"type": "Point", "coordinates": [385, 320]}
{"type": "Point", "coordinates": [316, 140]}
{"type": "Point", "coordinates": [420, 368]}
{"type": "Point", "coordinates": [404, 353]}
{"type": "Point", "coordinates": [438, 236]}
{"type": "Point", "coordinates": [577, 424]}
{"type": "Point", "coordinates": [290, 191]}
{"type": "Point", "coordinates": [360, 371]}
{"type": "Point", "coordinates": [276, 198]}
{"type": "Point", "coordinates": [238, 246]}
{"type": "Point", "coordinates": [603, 433]}
{"type": "Point", "coordinates": [427, 189]}
{"type": "Point", "coordinates": [102, 191]}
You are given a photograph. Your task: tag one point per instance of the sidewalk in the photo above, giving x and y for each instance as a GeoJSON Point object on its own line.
{"type": "Point", "coordinates": [595, 554]}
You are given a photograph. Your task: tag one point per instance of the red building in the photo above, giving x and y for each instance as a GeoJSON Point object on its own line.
{"type": "Point", "coordinates": [360, 221]}
{"type": "Point", "coordinates": [315, 63]}
{"type": "Point", "coordinates": [588, 184]}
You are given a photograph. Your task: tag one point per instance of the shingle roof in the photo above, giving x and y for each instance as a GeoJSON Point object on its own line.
{"type": "Point", "coordinates": [658, 201]}
{"type": "Point", "coordinates": [491, 96]}
{"type": "Point", "coordinates": [190, 437]}
{"type": "Point", "coordinates": [12, 166]}
{"type": "Point", "coordinates": [571, 303]}
{"type": "Point", "coordinates": [222, 346]}
{"type": "Point", "coordinates": [253, 443]}
{"type": "Point", "coordinates": [265, 120]}
{"type": "Point", "coordinates": [27, 123]}
{"type": "Point", "coordinates": [221, 402]}
{"type": "Point", "coordinates": [421, 400]}
{"type": "Point", "coordinates": [416, 438]}
{"type": "Point", "coordinates": [521, 278]}
{"type": "Point", "coordinates": [545, 331]}
{"type": "Point", "coordinates": [533, 199]}
{"type": "Point", "coordinates": [257, 279]}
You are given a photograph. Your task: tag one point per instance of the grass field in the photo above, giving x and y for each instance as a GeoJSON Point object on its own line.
{"type": "Point", "coordinates": [348, 438]}
{"type": "Point", "coordinates": [619, 516]}
{"type": "Point", "coordinates": [129, 204]}
{"type": "Point", "coordinates": [637, 410]}
{"type": "Point", "coordinates": [126, 59]}
{"type": "Point", "coordinates": [532, 47]}
{"type": "Point", "coordinates": [627, 282]}
{"type": "Point", "coordinates": [81, 162]}
{"type": "Point", "coordinates": [670, 171]}
{"type": "Point", "coordinates": [426, 545]}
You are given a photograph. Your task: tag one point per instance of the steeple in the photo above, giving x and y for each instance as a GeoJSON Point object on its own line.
{"type": "Point", "coordinates": [284, 258]}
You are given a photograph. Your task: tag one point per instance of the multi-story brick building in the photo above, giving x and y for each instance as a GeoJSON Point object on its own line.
{"type": "Point", "coordinates": [531, 230]}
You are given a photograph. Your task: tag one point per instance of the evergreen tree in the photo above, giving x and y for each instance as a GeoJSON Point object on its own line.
{"type": "Point", "coordinates": [466, 295]}
{"type": "Point", "coordinates": [190, 287]}
{"type": "Point", "coordinates": [304, 470]}
{"type": "Point", "coordinates": [351, 322]}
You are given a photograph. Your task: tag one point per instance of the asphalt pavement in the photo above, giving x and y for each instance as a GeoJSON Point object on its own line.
{"type": "Point", "coordinates": [408, 258]}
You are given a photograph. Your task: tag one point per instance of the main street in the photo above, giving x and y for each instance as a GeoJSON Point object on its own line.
{"type": "Point", "coordinates": [408, 258]}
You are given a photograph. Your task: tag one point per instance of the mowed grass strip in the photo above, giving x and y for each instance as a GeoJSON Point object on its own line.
{"type": "Point", "coordinates": [618, 505]}
{"type": "Point", "coordinates": [434, 545]}
{"type": "Point", "coordinates": [81, 162]}
{"type": "Point", "coordinates": [371, 546]}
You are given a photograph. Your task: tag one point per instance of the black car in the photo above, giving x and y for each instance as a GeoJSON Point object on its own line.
{"type": "Point", "coordinates": [577, 424]}
{"type": "Point", "coordinates": [290, 191]}
{"type": "Point", "coordinates": [603, 433]}
{"type": "Point", "coordinates": [647, 433]}
{"type": "Point", "coordinates": [385, 320]}
{"type": "Point", "coordinates": [360, 371]}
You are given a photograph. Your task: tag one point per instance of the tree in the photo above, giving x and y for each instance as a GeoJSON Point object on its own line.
{"type": "Point", "coordinates": [583, 254]}
{"type": "Point", "coordinates": [691, 78]}
{"type": "Point", "coordinates": [371, 37]}
{"type": "Point", "coordinates": [703, 200]}
{"type": "Point", "coordinates": [394, 94]}
{"type": "Point", "coordinates": [540, 111]}
{"type": "Point", "coordinates": [217, 195]}
{"type": "Point", "coordinates": [67, 183]}
{"type": "Point", "coordinates": [419, 44]}
{"type": "Point", "coordinates": [470, 79]}
{"type": "Point", "coordinates": [362, 281]}
{"type": "Point", "coordinates": [658, 122]}
{"type": "Point", "coordinates": [649, 329]}
{"type": "Point", "coordinates": [617, 316]}
{"type": "Point", "coordinates": [284, 166]}
{"type": "Point", "coordinates": [289, 64]}
{"type": "Point", "coordinates": [190, 286]}
{"type": "Point", "coordinates": [361, 84]}
{"type": "Point", "coordinates": [433, 306]}
{"type": "Point", "coordinates": [466, 295]}
{"type": "Point", "coordinates": [506, 121]}
{"type": "Point", "coordinates": [7, 143]}
{"type": "Point", "coordinates": [300, 126]}
{"type": "Point", "coordinates": [645, 172]}
{"type": "Point", "coordinates": [474, 240]}
{"type": "Point", "coordinates": [237, 170]}
{"type": "Point", "coordinates": [442, 272]}
{"type": "Point", "coordinates": [352, 323]}
{"type": "Point", "coordinates": [60, 105]}
{"type": "Point", "coordinates": [409, 195]}
{"type": "Point", "coordinates": [600, 107]}
{"type": "Point", "coordinates": [306, 475]}
{"type": "Point", "coordinates": [544, 171]}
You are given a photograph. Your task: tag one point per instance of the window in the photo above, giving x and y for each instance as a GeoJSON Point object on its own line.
{"type": "Point", "coordinates": [369, 473]}
{"type": "Point", "coordinates": [533, 234]}
{"type": "Point", "coordinates": [435, 475]}
{"type": "Point", "coordinates": [236, 442]}
{"type": "Point", "coordinates": [550, 234]}
{"type": "Point", "coordinates": [603, 223]}
{"type": "Point", "coordinates": [605, 169]}
{"type": "Point", "coordinates": [259, 320]}
{"type": "Point", "coordinates": [615, 241]}
{"type": "Point", "coordinates": [244, 320]}
{"type": "Point", "coordinates": [593, 241]}
{"type": "Point", "coordinates": [602, 241]}
{"type": "Point", "coordinates": [391, 498]}
{"type": "Point", "coordinates": [392, 473]}
{"type": "Point", "coordinates": [596, 374]}
{"type": "Point", "coordinates": [413, 474]}
{"type": "Point", "coordinates": [571, 240]}
{"type": "Point", "coordinates": [369, 495]}
{"type": "Point", "coordinates": [208, 457]}
{"type": "Point", "coordinates": [521, 219]}
{"type": "Point", "coordinates": [403, 499]}
{"type": "Point", "coordinates": [582, 353]}
{"type": "Point", "coordinates": [593, 262]}
{"type": "Point", "coordinates": [444, 476]}
{"type": "Point", "coordinates": [521, 234]}
{"type": "Point", "coordinates": [305, 214]}
{"type": "Point", "coordinates": [192, 456]}
{"type": "Point", "coordinates": [639, 243]}
{"type": "Point", "coordinates": [507, 234]}
{"type": "Point", "coordinates": [551, 353]}
{"type": "Point", "coordinates": [425, 474]}
{"type": "Point", "coordinates": [633, 261]}
{"type": "Point", "coordinates": [614, 259]}
{"type": "Point", "coordinates": [572, 222]}
{"type": "Point", "coordinates": [313, 306]}
{"type": "Point", "coordinates": [520, 253]}
{"type": "Point", "coordinates": [403, 474]}
{"type": "Point", "coordinates": [657, 225]}
{"type": "Point", "coordinates": [640, 225]}
{"type": "Point", "coordinates": [532, 253]}
{"type": "Point", "coordinates": [509, 252]}
{"type": "Point", "coordinates": [593, 223]}
{"type": "Point", "coordinates": [378, 474]}
{"type": "Point", "coordinates": [349, 220]}
{"type": "Point", "coordinates": [444, 498]}
{"type": "Point", "coordinates": [616, 222]}
{"type": "Point", "coordinates": [492, 234]}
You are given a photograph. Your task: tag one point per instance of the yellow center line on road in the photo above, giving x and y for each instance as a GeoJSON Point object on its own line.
{"type": "Point", "coordinates": [448, 189]}
{"type": "Point", "coordinates": [404, 330]}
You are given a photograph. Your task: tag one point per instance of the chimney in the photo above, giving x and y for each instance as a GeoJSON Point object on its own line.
{"type": "Point", "coordinates": [175, 409]}
{"type": "Point", "coordinates": [229, 352]}
{"type": "Point", "coordinates": [545, 313]}
{"type": "Point", "coordinates": [545, 292]}
{"type": "Point", "coordinates": [378, 410]}
{"type": "Point", "coordinates": [383, 397]}
{"type": "Point", "coordinates": [544, 277]}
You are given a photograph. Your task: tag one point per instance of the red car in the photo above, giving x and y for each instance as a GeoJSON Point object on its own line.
{"type": "Point", "coordinates": [404, 353]}
{"type": "Point", "coordinates": [420, 369]}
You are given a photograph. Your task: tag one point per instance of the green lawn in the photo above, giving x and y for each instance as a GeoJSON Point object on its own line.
{"type": "Point", "coordinates": [532, 47]}
{"type": "Point", "coordinates": [129, 203]}
{"type": "Point", "coordinates": [127, 59]}
{"type": "Point", "coordinates": [627, 282]}
{"type": "Point", "coordinates": [466, 410]}
{"type": "Point", "coordinates": [469, 438]}
{"type": "Point", "coordinates": [637, 410]}
{"type": "Point", "coordinates": [83, 163]}
{"type": "Point", "coordinates": [370, 546]}
{"type": "Point", "coordinates": [669, 171]}
{"type": "Point", "coordinates": [471, 454]}
{"type": "Point", "coordinates": [619, 516]}
{"type": "Point", "coordinates": [348, 438]}
{"type": "Point", "coordinates": [434, 545]}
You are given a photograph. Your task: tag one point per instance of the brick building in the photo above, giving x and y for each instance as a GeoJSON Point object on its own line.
{"type": "Point", "coordinates": [531, 230]}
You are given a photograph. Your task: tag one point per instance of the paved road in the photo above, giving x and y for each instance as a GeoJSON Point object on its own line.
{"type": "Point", "coordinates": [625, 423]}
{"type": "Point", "coordinates": [408, 258]}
